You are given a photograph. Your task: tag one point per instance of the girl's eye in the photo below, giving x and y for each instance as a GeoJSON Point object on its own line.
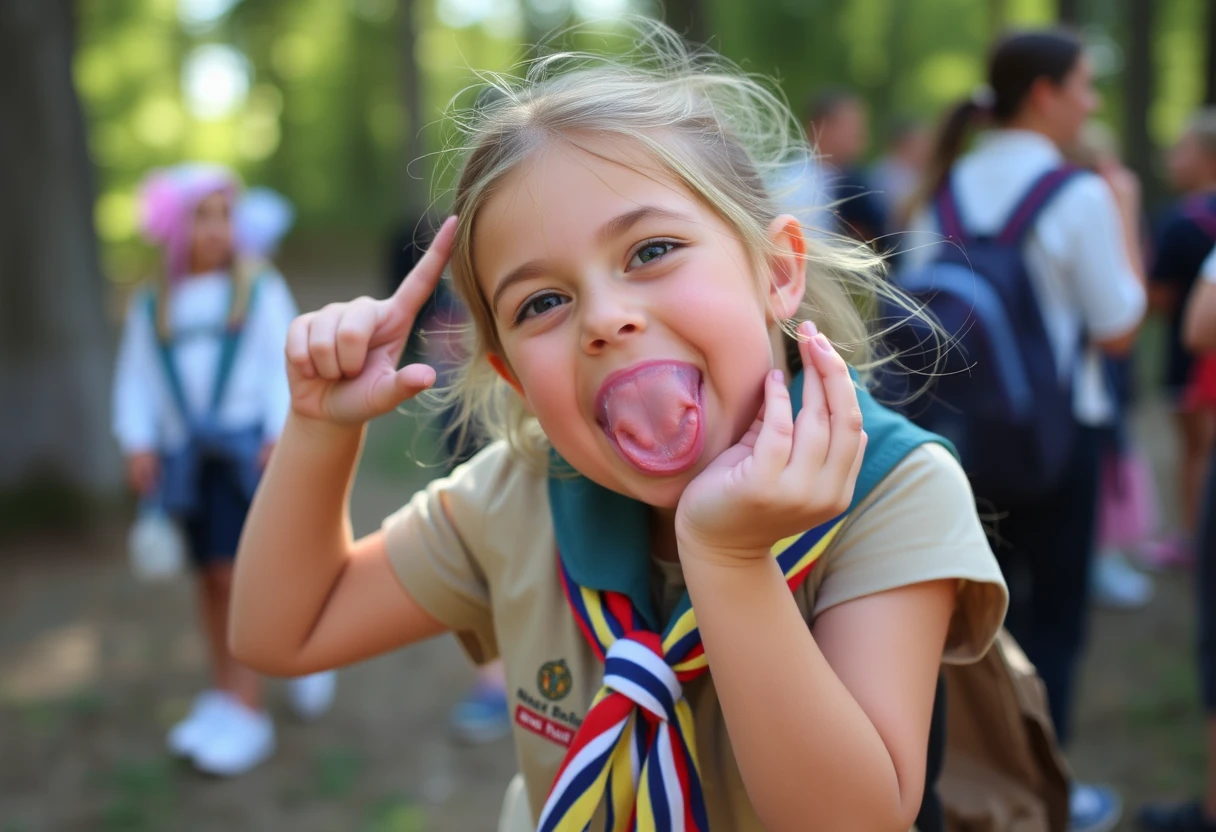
{"type": "Point", "coordinates": [539, 305]}
{"type": "Point", "coordinates": [651, 251]}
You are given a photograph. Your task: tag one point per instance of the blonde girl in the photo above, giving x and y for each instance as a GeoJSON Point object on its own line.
{"type": "Point", "coordinates": [654, 356]}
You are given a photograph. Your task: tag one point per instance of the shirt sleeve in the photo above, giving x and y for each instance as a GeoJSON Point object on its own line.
{"type": "Point", "coordinates": [135, 404]}
{"type": "Point", "coordinates": [919, 524]}
{"type": "Point", "coordinates": [437, 543]}
{"type": "Point", "coordinates": [1106, 287]}
{"type": "Point", "coordinates": [276, 310]}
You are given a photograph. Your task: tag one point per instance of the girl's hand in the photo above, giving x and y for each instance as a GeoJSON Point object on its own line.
{"type": "Point", "coordinates": [143, 472]}
{"type": "Point", "coordinates": [784, 476]}
{"type": "Point", "coordinates": [342, 360]}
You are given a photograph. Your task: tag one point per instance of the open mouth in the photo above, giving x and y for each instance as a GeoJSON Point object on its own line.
{"type": "Point", "coordinates": [653, 414]}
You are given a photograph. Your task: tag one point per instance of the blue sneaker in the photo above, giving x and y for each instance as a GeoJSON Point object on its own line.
{"type": "Point", "coordinates": [482, 717]}
{"type": "Point", "coordinates": [1093, 808]}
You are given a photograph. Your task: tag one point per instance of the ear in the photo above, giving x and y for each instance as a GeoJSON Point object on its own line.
{"type": "Point", "coordinates": [504, 372]}
{"type": "Point", "coordinates": [787, 267]}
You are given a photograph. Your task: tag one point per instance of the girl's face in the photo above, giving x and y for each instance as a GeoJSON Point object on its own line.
{"type": "Point", "coordinates": [629, 314]}
{"type": "Point", "coordinates": [211, 237]}
{"type": "Point", "coordinates": [1190, 166]}
{"type": "Point", "coordinates": [1069, 104]}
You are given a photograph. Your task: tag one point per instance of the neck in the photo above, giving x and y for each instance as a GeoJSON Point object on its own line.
{"type": "Point", "coordinates": [663, 534]}
{"type": "Point", "coordinates": [1030, 124]}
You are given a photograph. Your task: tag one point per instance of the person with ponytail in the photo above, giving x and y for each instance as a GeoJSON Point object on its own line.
{"type": "Point", "coordinates": [1081, 256]}
{"type": "Point", "coordinates": [200, 398]}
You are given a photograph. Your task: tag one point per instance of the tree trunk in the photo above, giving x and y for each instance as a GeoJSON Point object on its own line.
{"type": "Point", "coordinates": [55, 361]}
{"type": "Point", "coordinates": [1209, 85]}
{"type": "Point", "coordinates": [689, 18]}
{"type": "Point", "coordinates": [1068, 12]}
{"type": "Point", "coordinates": [1138, 83]}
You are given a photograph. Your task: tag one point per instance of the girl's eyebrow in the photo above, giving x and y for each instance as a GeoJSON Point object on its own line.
{"type": "Point", "coordinates": [613, 228]}
{"type": "Point", "coordinates": [619, 225]}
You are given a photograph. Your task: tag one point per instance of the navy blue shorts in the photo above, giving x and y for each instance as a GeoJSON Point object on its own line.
{"type": "Point", "coordinates": [214, 531]}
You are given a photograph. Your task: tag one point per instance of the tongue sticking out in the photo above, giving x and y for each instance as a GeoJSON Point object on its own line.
{"type": "Point", "coordinates": [653, 415]}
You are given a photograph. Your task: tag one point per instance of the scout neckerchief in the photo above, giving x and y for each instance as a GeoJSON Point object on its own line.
{"type": "Point", "coordinates": [635, 751]}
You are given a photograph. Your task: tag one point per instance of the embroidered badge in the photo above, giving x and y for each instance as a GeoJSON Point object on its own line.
{"type": "Point", "coordinates": [554, 680]}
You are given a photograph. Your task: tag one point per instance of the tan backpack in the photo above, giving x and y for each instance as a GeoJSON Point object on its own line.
{"type": "Point", "coordinates": [1003, 771]}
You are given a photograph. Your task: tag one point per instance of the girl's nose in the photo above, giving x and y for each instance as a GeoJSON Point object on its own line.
{"type": "Point", "coordinates": [609, 318]}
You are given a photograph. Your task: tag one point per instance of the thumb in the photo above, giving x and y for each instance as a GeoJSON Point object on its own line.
{"type": "Point", "coordinates": [401, 386]}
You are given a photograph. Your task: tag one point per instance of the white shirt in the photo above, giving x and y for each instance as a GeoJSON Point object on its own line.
{"type": "Point", "coordinates": [800, 187]}
{"type": "Point", "coordinates": [1207, 272]}
{"type": "Point", "coordinates": [147, 416]}
{"type": "Point", "coordinates": [1075, 254]}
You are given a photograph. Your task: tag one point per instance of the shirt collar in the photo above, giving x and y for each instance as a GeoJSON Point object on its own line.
{"type": "Point", "coordinates": [1019, 141]}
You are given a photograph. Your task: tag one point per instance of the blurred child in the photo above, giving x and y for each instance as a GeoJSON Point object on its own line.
{"type": "Point", "coordinates": [1127, 514]}
{"type": "Point", "coordinates": [1183, 240]}
{"type": "Point", "coordinates": [200, 397]}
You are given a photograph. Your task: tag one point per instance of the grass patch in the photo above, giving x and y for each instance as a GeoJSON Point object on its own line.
{"type": "Point", "coordinates": [394, 814]}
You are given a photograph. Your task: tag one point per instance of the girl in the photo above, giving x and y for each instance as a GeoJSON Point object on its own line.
{"type": "Point", "coordinates": [635, 296]}
{"type": "Point", "coordinates": [200, 397]}
{"type": "Point", "coordinates": [1199, 336]}
{"type": "Point", "coordinates": [1082, 256]}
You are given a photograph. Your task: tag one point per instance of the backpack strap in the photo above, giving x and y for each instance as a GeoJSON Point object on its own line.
{"type": "Point", "coordinates": [945, 204]}
{"type": "Point", "coordinates": [1035, 200]}
{"type": "Point", "coordinates": [1201, 210]}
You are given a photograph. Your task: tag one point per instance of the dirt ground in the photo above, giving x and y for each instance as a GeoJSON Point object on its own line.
{"type": "Point", "coordinates": [94, 667]}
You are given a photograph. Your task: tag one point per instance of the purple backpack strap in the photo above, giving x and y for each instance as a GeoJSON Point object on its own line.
{"type": "Point", "coordinates": [1201, 211]}
{"type": "Point", "coordinates": [946, 207]}
{"type": "Point", "coordinates": [1036, 199]}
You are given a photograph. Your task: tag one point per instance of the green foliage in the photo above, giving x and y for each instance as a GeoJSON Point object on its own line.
{"type": "Point", "coordinates": [324, 120]}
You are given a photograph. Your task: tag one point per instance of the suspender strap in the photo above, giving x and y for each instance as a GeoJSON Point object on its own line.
{"type": "Point", "coordinates": [223, 373]}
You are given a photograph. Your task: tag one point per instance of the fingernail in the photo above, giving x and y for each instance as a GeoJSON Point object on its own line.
{"type": "Point", "coordinates": [823, 344]}
{"type": "Point", "coordinates": [778, 376]}
{"type": "Point", "coordinates": [808, 329]}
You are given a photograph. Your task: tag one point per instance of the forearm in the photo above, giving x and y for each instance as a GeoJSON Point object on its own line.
{"type": "Point", "coordinates": [296, 542]}
{"type": "Point", "coordinates": [1200, 323]}
{"type": "Point", "coordinates": [808, 753]}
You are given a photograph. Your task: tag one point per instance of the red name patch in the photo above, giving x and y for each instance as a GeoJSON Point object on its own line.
{"type": "Point", "coordinates": [543, 726]}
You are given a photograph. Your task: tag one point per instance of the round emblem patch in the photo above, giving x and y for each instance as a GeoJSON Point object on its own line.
{"type": "Point", "coordinates": [554, 680]}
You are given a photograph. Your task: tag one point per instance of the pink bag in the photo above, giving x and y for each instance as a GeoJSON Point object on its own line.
{"type": "Point", "coordinates": [1127, 501]}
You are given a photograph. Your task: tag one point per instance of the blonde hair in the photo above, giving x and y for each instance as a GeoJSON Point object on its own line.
{"type": "Point", "coordinates": [723, 135]}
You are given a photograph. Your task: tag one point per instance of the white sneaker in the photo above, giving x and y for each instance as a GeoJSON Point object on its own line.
{"type": "Point", "coordinates": [200, 723]}
{"type": "Point", "coordinates": [1117, 585]}
{"type": "Point", "coordinates": [312, 695]}
{"type": "Point", "coordinates": [243, 739]}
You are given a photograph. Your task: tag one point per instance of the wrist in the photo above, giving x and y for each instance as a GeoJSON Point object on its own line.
{"type": "Point", "coordinates": [696, 552]}
{"type": "Point", "coordinates": [321, 431]}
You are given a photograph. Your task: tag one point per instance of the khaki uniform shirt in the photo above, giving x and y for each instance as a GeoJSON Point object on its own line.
{"type": "Point", "coordinates": [477, 551]}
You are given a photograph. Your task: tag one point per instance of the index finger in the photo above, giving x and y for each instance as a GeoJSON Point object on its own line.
{"type": "Point", "coordinates": [421, 280]}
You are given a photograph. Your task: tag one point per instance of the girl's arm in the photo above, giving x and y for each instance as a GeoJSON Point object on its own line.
{"type": "Point", "coordinates": [135, 405]}
{"type": "Point", "coordinates": [307, 596]}
{"type": "Point", "coordinates": [1199, 329]}
{"type": "Point", "coordinates": [830, 727]}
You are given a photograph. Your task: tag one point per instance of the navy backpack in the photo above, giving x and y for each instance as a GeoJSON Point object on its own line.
{"type": "Point", "coordinates": [993, 388]}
